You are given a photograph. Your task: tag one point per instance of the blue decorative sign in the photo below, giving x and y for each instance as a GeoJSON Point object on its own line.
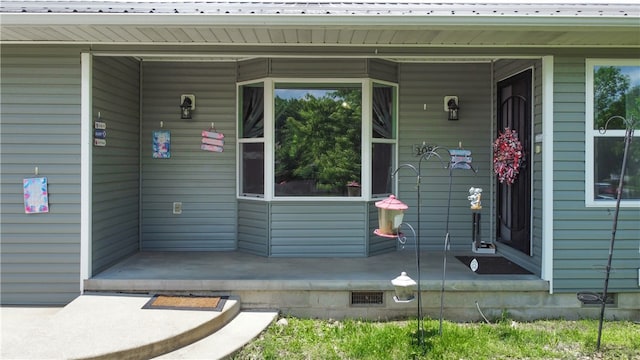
{"type": "Point", "coordinates": [100, 134]}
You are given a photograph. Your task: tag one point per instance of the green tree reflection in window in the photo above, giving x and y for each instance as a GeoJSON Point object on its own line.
{"type": "Point", "coordinates": [317, 139]}
{"type": "Point", "coordinates": [616, 92]}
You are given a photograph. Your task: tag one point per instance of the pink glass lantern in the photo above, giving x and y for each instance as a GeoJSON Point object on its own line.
{"type": "Point", "coordinates": [390, 214]}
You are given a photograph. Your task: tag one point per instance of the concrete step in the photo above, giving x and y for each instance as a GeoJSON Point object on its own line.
{"type": "Point", "coordinates": [225, 342]}
{"type": "Point", "coordinates": [110, 326]}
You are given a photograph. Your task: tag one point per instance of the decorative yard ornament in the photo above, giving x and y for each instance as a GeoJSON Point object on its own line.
{"type": "Point", "coordinates": [390, 214]}
{"type": "Point", "coordinates": [507, 156]}
{"type": "Point", "coordinates": [404, 288]}
{"type": "Point", "coordinates": [474, 196]}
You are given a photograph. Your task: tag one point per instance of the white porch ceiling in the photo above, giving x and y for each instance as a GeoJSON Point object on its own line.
{"type": "Point", "coordinates": [321, 23]}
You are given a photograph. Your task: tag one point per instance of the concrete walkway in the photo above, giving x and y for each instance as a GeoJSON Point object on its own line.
{"type": "Point", "coordinates": [109, 326]}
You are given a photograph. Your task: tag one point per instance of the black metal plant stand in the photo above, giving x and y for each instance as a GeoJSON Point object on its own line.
{"type": "Point", "coordinates": [462, 164]}
{"type": "Point", "coordinates": [402, 239]}
{"type": "Point", "coordinates": [602, 298]}
{"type": "Point", "coordinates": [427, 152]}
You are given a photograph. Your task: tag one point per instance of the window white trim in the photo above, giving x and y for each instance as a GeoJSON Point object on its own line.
{"type": "Point", "coordinates": [393, 141]}
{"type": "Point", "coordinates": [367, 139]}
{"type": "Point", "coordinates": [547, 170]}
{"type": "Point", "coordinates": [269, 133]}
{"type": "Point", "coordinates": [591, 133]}
{"type": "Point", "coordinates": [240, 140]}
{"type": "Point", "coordinates": [86, 150]}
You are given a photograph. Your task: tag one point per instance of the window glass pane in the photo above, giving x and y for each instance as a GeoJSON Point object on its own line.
{"type": "Point", "coordinates": [616, 92]}
{"type": "Point", "coordinates": [252, 168]}
{"type": "Point", "coordinates": [252, 116]}
{"type": "Point", "coordinates": [317, 139]}
{"type": "Point", "coordinates": [383, 106]}
{"type": "Point", "coordinates": [381, 168]}
{"type": "Point", "coordinates": [607, 166]}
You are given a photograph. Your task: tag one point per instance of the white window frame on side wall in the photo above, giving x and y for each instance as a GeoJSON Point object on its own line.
{"type": "Point", "coordinates": [591, 134]}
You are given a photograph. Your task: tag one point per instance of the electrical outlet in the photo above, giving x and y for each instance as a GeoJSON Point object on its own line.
{"type": "Point", "coordinates": [177, 208]}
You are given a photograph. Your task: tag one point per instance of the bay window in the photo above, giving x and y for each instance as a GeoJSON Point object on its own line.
{"type": "Point", "coordinates": [316, 139]}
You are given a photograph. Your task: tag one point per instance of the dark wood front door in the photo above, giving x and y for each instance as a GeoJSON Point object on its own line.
{"type": "Point", "coordinates": [514, 201]}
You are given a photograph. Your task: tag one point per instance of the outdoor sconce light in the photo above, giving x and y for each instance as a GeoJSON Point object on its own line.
{"type": "Point", "coordinates": [390, 214]}
{"type": "Point", "coordinates": [404, 287]}
{"type": "Point", "coordinates": [451, 106]}
{"type": "Point", "coordinates": [187, 105]}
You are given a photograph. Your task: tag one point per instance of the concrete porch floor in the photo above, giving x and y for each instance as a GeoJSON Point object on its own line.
{"type": "Point", "coordinates": [237, 270]}
{"type": "Point", "coordinates": [324, 287]}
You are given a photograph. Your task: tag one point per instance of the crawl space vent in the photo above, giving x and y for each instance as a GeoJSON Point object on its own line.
{"type": "Point", "coordinates": [364, 298]}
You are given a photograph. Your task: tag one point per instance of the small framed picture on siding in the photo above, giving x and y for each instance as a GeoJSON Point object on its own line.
{"type": "Point", "coordinates": [36, 195]}
{"type": "Point", "coordinates": [161, 144]}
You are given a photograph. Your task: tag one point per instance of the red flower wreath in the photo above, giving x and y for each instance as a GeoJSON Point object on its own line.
{"type": "Point", "coordinates": [507, 155]}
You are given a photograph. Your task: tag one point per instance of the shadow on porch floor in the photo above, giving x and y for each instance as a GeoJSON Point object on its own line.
{"type": "Point", "coordinates": [242, 271]}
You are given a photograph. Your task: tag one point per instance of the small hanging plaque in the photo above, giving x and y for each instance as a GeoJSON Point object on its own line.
{"type": "Point", "coordinates": [36, 195]}
{"type": "Point", "coordinates": [161, 144]}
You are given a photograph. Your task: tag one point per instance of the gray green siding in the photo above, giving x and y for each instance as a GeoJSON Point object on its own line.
{"type": "Point", "coordinates": [40, 112]}
{"type": "Point", "coordinates": [318, 229]}
{"type": "Point", "coordinates": [253, 227]}
{"type": "Point", "coordinates": [422, 84]}
{"type": "Point", "coordinates": [581, 235]}
{"type": "Point", "coordinates": [203, 181]}
{"type": "Point", "coordinates": [116, 169]}
{"type": "Point", "coordinates": [313, 68]}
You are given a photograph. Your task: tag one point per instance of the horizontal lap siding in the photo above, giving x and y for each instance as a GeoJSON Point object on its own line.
{"type": "Point", "coordinates": [300, 68]}
{"type": "Point", "coordinates": [253, 227]}
{"type": "Point", "coordinates": [40, 111]}
{"type": "Point", "coordinates": [203, 181]}
{"type": "Point", "coordinates": [383, 70]}
{"type": "Point", "coordinates": [116, 93]}
{"type": "Point", "coordinates": [422, 84]}
{"type": "Point", "coordinates": [582, 235]}
{"type": "Point", "coordinates": [377, 244]}
{"type": "Point", "coordinates": [314, 68]}
{"type": "Point", "coordinates": [318, 229]}
{"type": "Point", "coordinates": [537, 228]}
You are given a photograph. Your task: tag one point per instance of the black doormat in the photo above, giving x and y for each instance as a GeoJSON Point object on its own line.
{"type": "Point", "coordinates": [493, 265]}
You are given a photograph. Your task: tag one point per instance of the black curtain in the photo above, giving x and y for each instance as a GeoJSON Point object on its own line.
{"type": "Point", "coordinates": [252, 112]}
{"type": "Point", "coordinates": [382, 116]}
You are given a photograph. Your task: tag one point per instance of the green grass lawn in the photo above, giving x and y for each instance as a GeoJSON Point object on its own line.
{"type": "Point", "coordinates": [504, 339]}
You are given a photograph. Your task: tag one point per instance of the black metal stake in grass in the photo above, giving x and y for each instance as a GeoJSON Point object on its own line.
{"type": "Point", "coordinates": [629, 124]}
{"type": "Point", "coordinates": [426, 152]}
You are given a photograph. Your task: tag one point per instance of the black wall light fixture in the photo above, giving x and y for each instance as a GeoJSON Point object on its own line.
{"type": "Point", "coordinates": [187, 105]}
{"type": "Point", "coordinates": [452, 107]}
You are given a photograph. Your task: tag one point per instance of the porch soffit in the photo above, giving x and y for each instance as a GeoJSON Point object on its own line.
{"type": "Point", "coordinates": [322, 23]}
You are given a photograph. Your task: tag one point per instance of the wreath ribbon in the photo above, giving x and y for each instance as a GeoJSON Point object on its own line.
{"type": "Point", "coordinates": [507, 156]}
